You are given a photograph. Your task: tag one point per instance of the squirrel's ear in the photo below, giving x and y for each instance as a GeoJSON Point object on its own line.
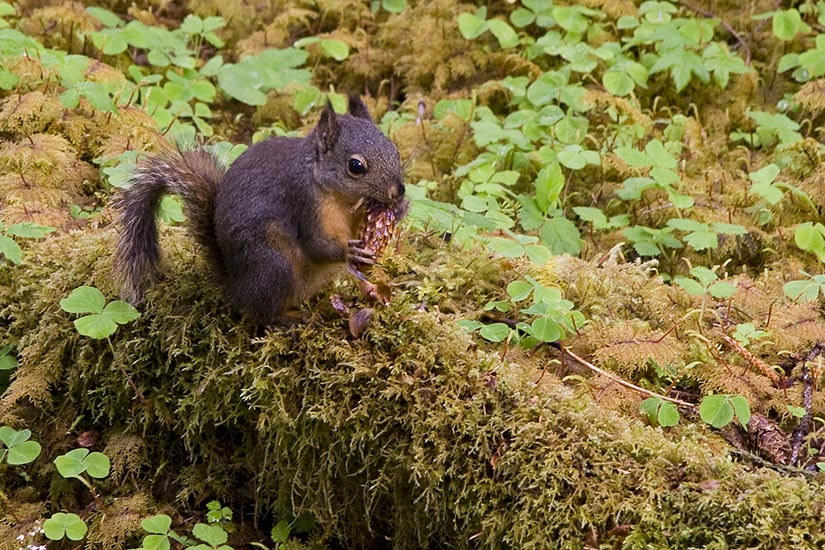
{"type": "Point", "coordinates": [357, 108]}
{"type": "Point", "coordinates": [327, 130]}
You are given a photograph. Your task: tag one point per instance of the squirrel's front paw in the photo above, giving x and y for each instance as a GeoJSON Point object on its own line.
{"type": "Point", "coordinates": [357, 253]}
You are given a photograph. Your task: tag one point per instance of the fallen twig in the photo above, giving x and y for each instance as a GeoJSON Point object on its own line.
{"type": "Point", "coordinates": [622, 382]}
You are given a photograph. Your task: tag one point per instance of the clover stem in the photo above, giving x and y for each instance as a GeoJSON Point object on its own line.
{"type": "Point", "coordinates": [89, 486]}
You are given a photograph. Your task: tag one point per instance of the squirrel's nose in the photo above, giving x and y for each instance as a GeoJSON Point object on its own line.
{"type": "Point", "coordinates": [397, 191]}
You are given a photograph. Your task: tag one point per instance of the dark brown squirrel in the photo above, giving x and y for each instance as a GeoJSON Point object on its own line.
{"type": "Point", "coordinates": [279, 223]}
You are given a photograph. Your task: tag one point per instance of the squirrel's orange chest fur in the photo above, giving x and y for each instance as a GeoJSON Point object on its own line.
{"type": "Point", "coordinates": [338, 222]}
{"type": "Point", "coordinates": [339, 219]}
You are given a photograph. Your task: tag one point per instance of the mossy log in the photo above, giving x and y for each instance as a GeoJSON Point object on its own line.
{"type": "Point", "coordinates": [412, 436]}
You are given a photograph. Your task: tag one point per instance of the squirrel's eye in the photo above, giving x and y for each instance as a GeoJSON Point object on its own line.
{"type": "Point", "coordinates": [356, 166]}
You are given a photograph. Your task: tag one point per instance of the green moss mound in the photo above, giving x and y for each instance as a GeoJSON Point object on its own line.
{"type": "Point", "coordinates": [409, 437]}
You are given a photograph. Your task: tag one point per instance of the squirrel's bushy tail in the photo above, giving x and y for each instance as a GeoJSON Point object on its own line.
{"type": "Point", "coordinates": [194, 175]}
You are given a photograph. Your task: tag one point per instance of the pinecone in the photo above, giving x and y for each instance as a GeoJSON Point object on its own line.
{"type": "Point", "coordinates": [375, 234]}
{"type": "Point", "coordinates": [379, 224]}
{"type": "Point", "coordinates": [768, 439]}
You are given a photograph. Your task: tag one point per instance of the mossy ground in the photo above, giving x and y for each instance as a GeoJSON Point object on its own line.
{"type": "Point", "coordinates": [412, 436]}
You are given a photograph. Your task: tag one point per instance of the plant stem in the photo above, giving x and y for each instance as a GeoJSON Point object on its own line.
{"type": "Point", "coordinates": [89, 486]}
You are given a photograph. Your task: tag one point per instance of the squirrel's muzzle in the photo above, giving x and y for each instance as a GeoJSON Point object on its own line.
{"type": "Point", "coordinates": [396, 191]}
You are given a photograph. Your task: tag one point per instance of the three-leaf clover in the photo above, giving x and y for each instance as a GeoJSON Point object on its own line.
{"type": "Point", "coordinates": [811, 237]}
{"type": "Point", "coordinates": [104, 317]}
{"type": "Point", "coordinates": [805, 290]}
{"type": "Point", "coordinates": [745, 332]}
{"type": "Point", "coordinates": [660, 411]}
{"type": "Point", "coordinates": [719, 409]}
{"type": "Point", "coordinates": [160, 528]}
{"type": "Point", "coordinates": [216, 513]}
{"type": "Point", "coordinates": [19, 448]}
{"type": "Point", "coordinates": [77, 461]}
{"type": "Point", "coordinates": [705, 281]}
{"type": "Point", "coordinates": [65, 525]}
{"type": "Point", "coordinates": [9, 248]}
{"type": "Point", "coordinates": [214, 536]}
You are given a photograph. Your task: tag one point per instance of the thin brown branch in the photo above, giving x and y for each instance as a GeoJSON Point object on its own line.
{"type": "Point", "coordinates": [629, 385]}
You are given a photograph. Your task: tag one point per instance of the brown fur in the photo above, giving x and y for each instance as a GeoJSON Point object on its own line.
{"type": "Point", "coordinates": [339, 220]}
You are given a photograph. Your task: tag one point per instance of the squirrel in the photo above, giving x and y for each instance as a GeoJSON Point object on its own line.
{"type": "Point", "coordinates": [276, 225]}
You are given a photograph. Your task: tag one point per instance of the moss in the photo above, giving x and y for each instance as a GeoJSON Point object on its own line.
{"type": "Point", "coordinates": [118, 522]}
{"type": "Point", "coordinates": [62, 26]}
{"type": "Point", "coordinates": [20, 521]}
{"type": "Point", "coordinates": [435, 149]}
{"type": "Point", "coordinates": [411, 434]}
{"type": "Point", "coordinates": [47, 152]}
